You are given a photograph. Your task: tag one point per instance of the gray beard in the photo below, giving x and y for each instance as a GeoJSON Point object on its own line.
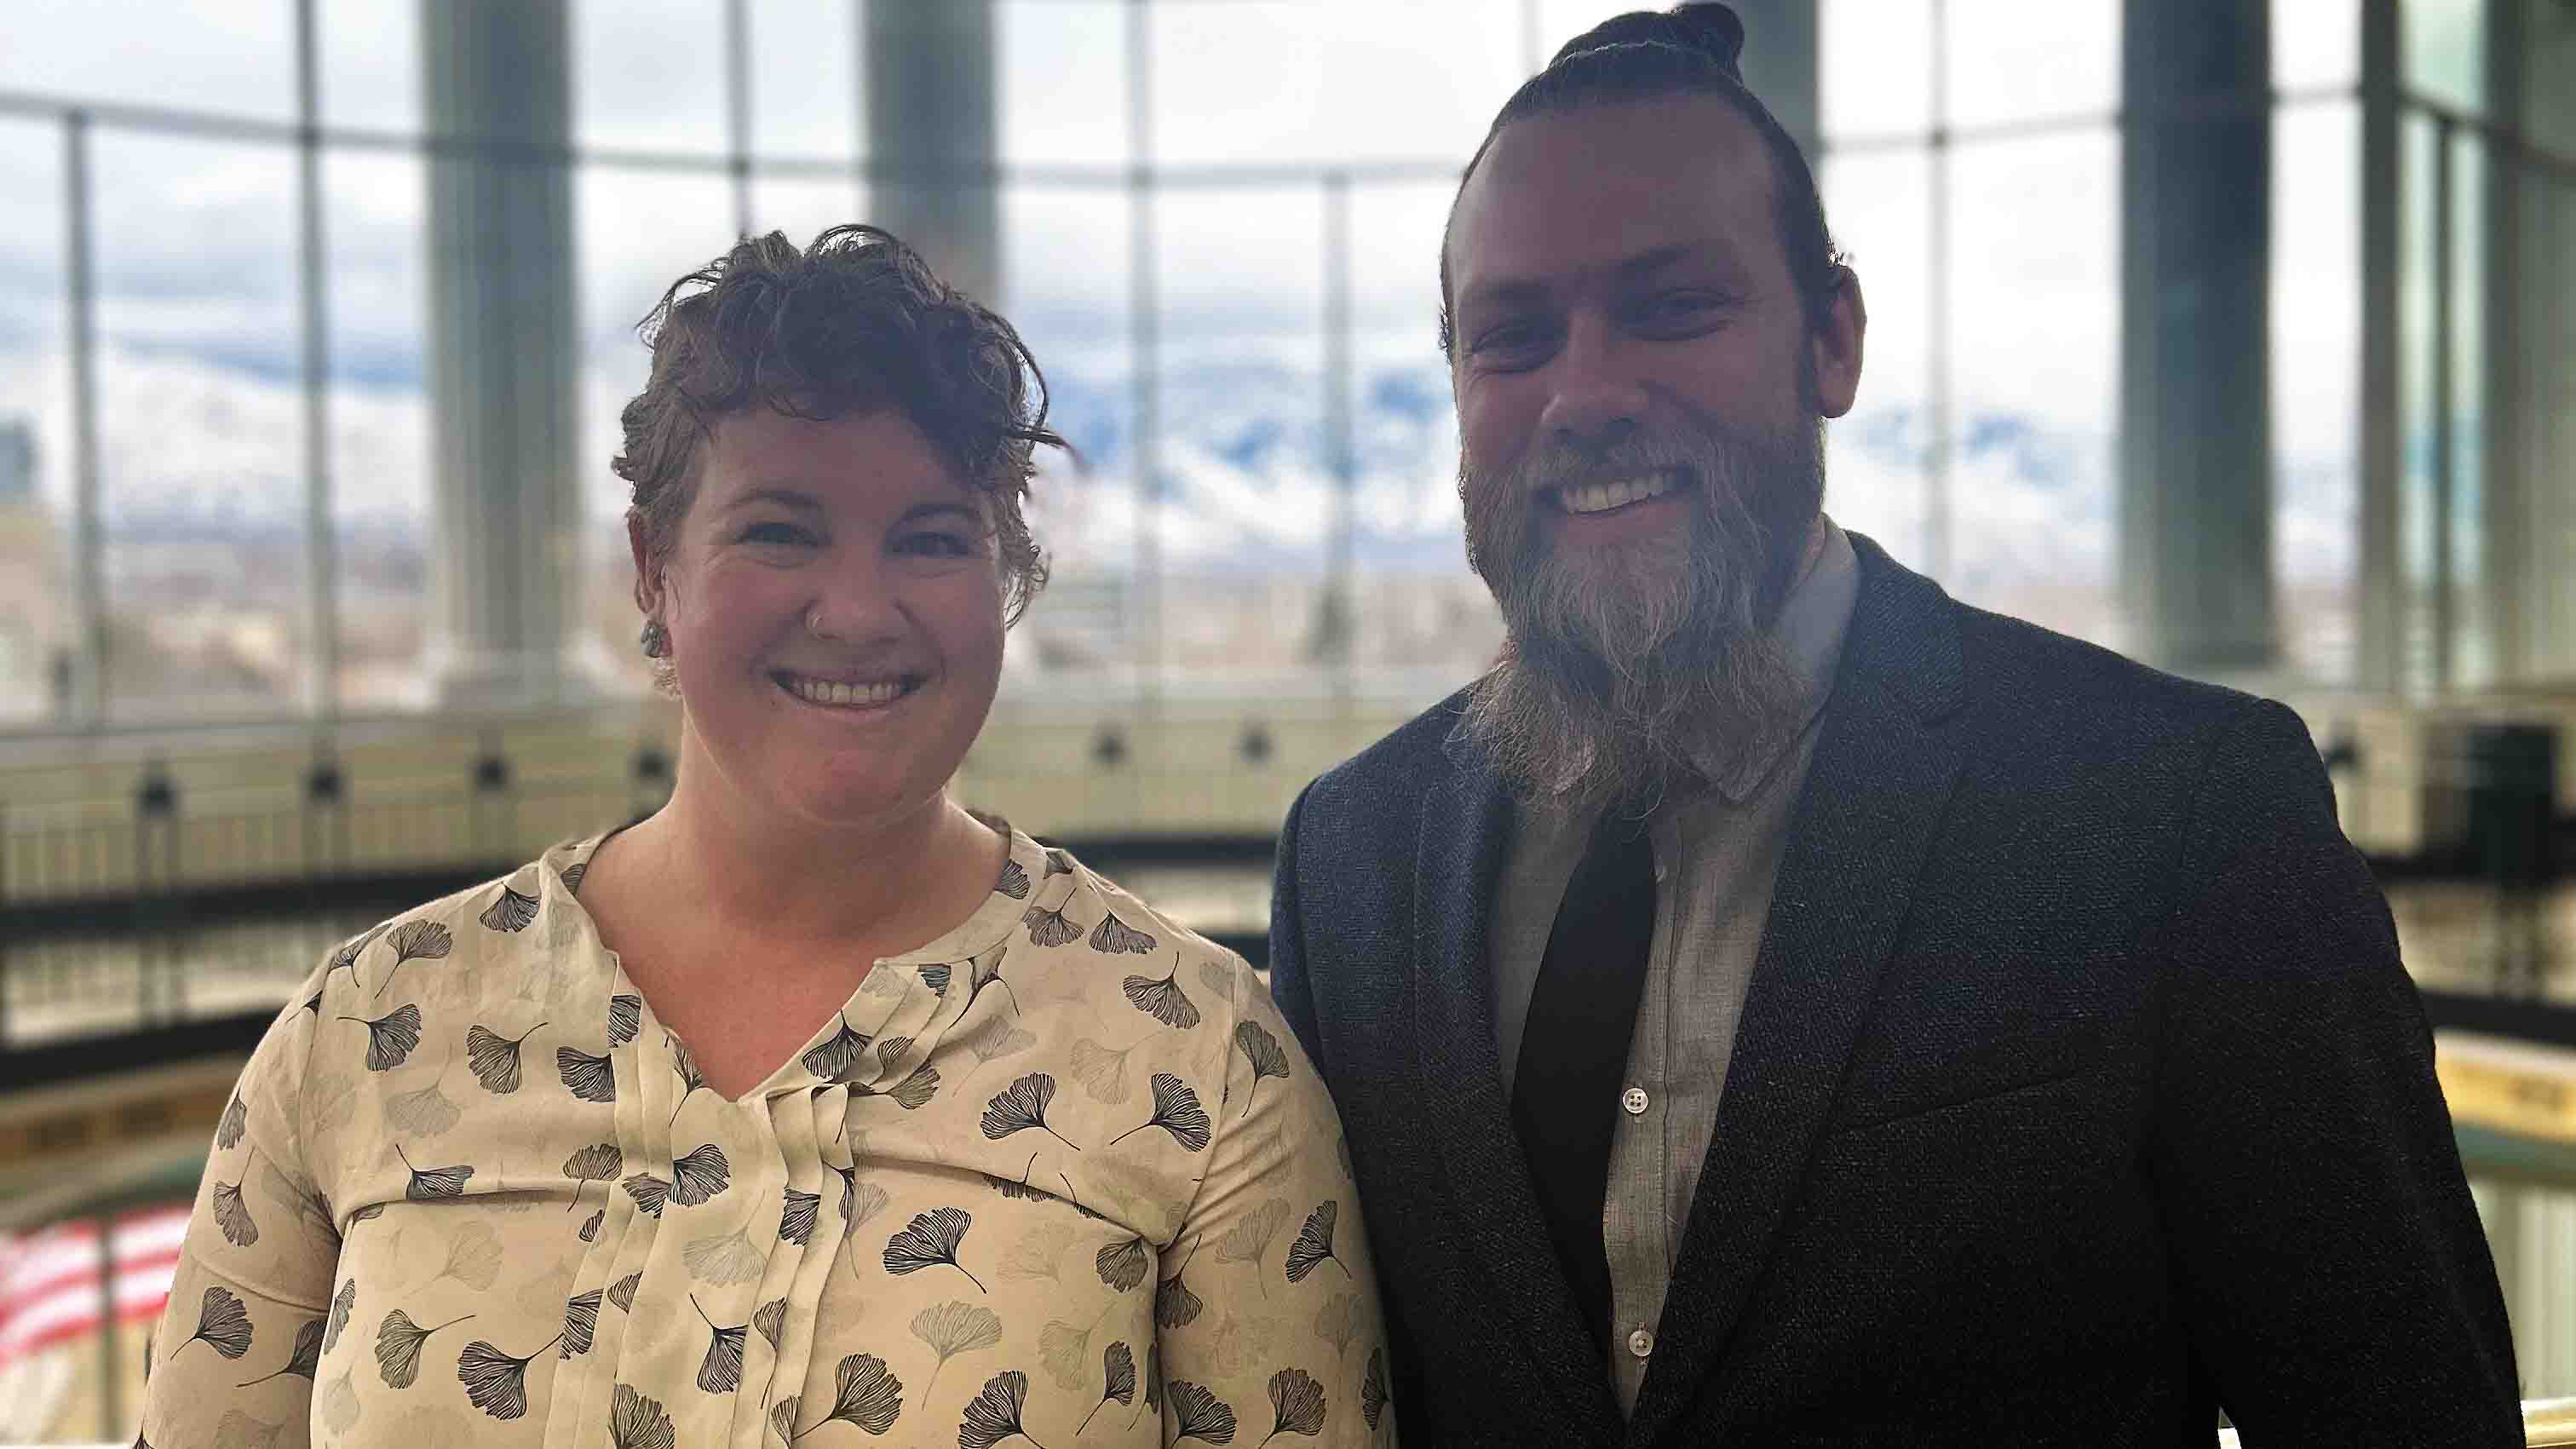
{"type": "Point", "coordinates": [1640, 672]}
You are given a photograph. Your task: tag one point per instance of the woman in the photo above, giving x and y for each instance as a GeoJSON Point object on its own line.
{"type": "Point", "coordinates": [814, 1107]}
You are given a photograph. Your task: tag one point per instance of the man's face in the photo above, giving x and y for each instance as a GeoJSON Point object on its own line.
{"type": "Point", "coordinates": [1620, 297]}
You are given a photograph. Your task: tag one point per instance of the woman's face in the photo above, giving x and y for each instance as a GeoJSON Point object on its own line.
{"type": "Point", "coordinates": [835, 616]}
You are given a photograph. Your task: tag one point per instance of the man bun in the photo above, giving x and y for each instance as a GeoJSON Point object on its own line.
{"type": "Point", "coordinates": [1704, 27]}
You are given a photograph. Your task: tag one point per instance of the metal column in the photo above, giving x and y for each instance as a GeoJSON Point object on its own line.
{"type": "Point", "coordinates": [932, 135]}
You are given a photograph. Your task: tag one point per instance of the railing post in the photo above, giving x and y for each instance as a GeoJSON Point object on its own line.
{"type": "Point", "coordinates": [156, 896]}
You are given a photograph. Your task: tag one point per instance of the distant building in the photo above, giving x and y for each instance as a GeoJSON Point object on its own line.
{"type": "Point", "coordinates": [32, 622]}
{"type": "Point", "coordinates": [17, 461]}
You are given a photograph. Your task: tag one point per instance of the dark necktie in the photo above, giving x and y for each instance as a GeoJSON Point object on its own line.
{"type": "Point", "coordinates": [1574, 1051]}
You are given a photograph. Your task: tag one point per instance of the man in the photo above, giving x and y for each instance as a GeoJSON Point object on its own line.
{"type": "Point", "coordinates": [1780, 1005]}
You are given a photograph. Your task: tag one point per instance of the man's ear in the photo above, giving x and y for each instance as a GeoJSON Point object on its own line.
{"type": "Point", "coordinates": [648, 575]}
{"type": "Point", "coordinates": [1835, 347]}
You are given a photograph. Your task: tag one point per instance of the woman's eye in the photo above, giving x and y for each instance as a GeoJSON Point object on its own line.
{"type": "Point", "coordinates": [775, 533]}
{"type": "Point", "coordinates": [937, 545]}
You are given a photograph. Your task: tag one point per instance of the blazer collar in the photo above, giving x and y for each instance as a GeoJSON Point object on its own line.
{"type": "Point", "coordinates": [1887, 756]}
{"type": "Point", "coordinates": [1495, 1223]}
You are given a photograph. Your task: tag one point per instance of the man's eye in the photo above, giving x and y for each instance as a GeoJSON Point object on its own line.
{"type": "Point", "coordinates": [1512, 342]}
{"type": "Point", "coordinates": [1677, 309]}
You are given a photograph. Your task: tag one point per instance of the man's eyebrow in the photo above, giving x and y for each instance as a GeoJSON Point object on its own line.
{"type": "Point", "coordinates": [777, 493]}
{"type": "Point", "coordinates": [1507, 291]}
{"type": "Point", "coordinates": [1503, 292]}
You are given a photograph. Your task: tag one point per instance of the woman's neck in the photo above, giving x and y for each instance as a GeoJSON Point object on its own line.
{"type": "Point", "coordinates": [890, 884]}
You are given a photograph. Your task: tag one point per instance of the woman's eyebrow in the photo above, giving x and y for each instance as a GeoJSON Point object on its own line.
{"type": "Point", "coordinates": [919, 511]}
{"type": "Point", "coordinates": [775, 493]}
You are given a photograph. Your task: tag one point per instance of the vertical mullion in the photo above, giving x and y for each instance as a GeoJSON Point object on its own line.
{"type": "Point", "coordinates": [1533, 46]}
{"type": "Point", "coordinates": [1342, 616]}
{"type": "Point", "coordinates": [2445, 602]}
{"type": "Point", "coordinates": [738, 109]}
{"type": "Point", "coordinates": [1937, 523]}
{"type": "Point", "coordinates": [1145, 392]}
{"type": "Point", "coordinates": [89, 699]}
{"type": "Point", "coordinates": [2379, 427]}
{"type": "Point", "coordinates": [321, 573]}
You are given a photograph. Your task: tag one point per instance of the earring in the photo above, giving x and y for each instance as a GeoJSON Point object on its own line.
{"type": "Point", "coordinates": [656, 640]}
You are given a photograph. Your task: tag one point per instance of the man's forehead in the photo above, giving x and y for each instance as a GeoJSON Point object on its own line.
{"type": "Point", "coordinates": [1568, 193]}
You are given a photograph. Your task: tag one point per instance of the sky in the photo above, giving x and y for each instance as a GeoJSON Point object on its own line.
{"type": "Point", "coordinates": [196, 260]}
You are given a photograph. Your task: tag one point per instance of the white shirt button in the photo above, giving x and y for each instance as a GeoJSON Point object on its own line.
{"type": "Point", "coordinates": [1641, 1343]}
{"type": "Point", "coordinates": [1635, 1100]}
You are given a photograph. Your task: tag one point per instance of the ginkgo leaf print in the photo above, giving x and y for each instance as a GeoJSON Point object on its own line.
{"type": "Point", "coordinates": [1298, 1402]}
{"type": "Point", "coordinates": [796, 1216]}
{"type": "Point", "coordinates": [1019, 1191]}
{"type": "Point", "coordinates": [782, 1417]}
{"type": "Point", "coordinates": [425, 1111]}
{"type": "Point", "coordinates": [599, 1162]}
{"type": "Point", "coordinates": [1249, 1240]}
{"type": "Point", "coordinates": [304, 1361]}
{"type": "Point", "coordinates": [415, 941]}
{"type": "Point", "coordinates": [1315, 1244]}
{"type": "Point", "coordinates": [699, 1174]}
{"type": "Point", "coordinates": [1057, 863]}
{"type": "Point", "coordinates": [1122, 1265]}
{"type": "Point", "coordinates": [581, 1323]}
{"type": "Point", "coordinates": [1161, 998]}
{"type": "Point", "coordinates": [1115, 937]}
{"type": "Point", "coordinates": [230, 1127]}
{"type": "Point", "coordinates": [509, 911]}
{"type": "Point", "coordinates": [494, 1058]}
{"type": "Point", "coordinates": [1049, 927]}
{"type": "Point", "coordinates": [865, 1393]}
{"type": "Point", "coordinates": [728, 1259]}
{"type": "Point", "coordinates": [1175, 1306]}
{"type": "Point", "coordinates": [1177, 1111]}
{"type": "Point", "coordinates": [572, 875]}
{"type": "Point", "coordinates": [649, 1192]}
{"type": "Point", "coordinates": [1373, 1394]}
{"type": "Point", "coordinates": [1065, 1349]}
{"type": "Point", "coordinates": [1200, 1415]}
{"type": "Point", "coordinates": [1340, 1322]}
{"type": "Point", "coordinates": [343, 1303]}
{"type": "Point", "coordinates": [303, 1200]}
{"type": "Point", "coordinates": [1261, 1049]}
{"type": "Point", "coordinates": [1038, 1254]}
{"type": "Point", "coordinates": [346, 957]}
{"type": "Point", "coordinates": [231, 1213]}
{"type": "Point", "coordinates": [237, 1430]}
{"type": "Point", "coordinates": [929, 1240]}
{"type": "Point", "coordinates": [993, 1415]}
{"type": "Point", "coordinates": [222, 1324]}
{"type": "Point", "coordinates": [1014, 882]}
{"type": "Point", "coordinates": [685, 1065]}
{"type": "Point", "coordinates": [1102, 1072]}
{"type": "Point", "coordinates": [625, 1018]}
{"type": "Point", "coordinates": [720, 1372]}
{"type": "Point", "coordinates": [1022, 1106]}
{"type": "Point", "coordinates": [590, 1225]}
{"type": "Point", "coordinates": [911, 1094]}
{"type": "Point", "coordinates": [339, 1403]}
{"type": "Point", "coordinates": [473, 1256]}
{"type": "Point", "coordinates": [1118, 1371]}
{"type": "Point", "coordinates": [390, 1037]}
{"type": "Point", "coordinates": [622, 1292]}
{"type": "Point", "coordinates": [986, 970]}
{"type": "Point", "coordinates": [634, 1420]}
{"type": "Point", "coordinates": [771, 1320]}
{"type": "Point", "coordinates": [429, 1184]}
{"type": "Point", "coordinates": [997, 1039]}
{"type": "Point", "coordinates": [936, 978]}
{"type": "Point", "coordinates": [833, 1058]}
{"type": "Point", "coordinates": [587, 1077]}
{"type": "Point", "coordinates": [398, 1345]}
{"type": "Point", "coordinates": [952, 1328]}
{"type": "Point", "coordinates": [496, 1382]}
{"type": "Point", "coordinates": [1153, 1383]}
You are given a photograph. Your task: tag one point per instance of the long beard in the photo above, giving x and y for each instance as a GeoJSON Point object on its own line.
{"type": "Point", "coordinates": [1635, 672]}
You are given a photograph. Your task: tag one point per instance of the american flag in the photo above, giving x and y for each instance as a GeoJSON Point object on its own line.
{"type": "Point", "coordinates": [49, 1279]}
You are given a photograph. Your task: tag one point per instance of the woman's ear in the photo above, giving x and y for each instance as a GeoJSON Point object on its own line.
{"type": "Point", "coordinates": [648, 574]}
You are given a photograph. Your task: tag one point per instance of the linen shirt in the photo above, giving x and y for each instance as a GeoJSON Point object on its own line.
{"type": "Point", "coordinates": [1062, 1174]}
{"type": "Point", "coordinates": [1716, 856]}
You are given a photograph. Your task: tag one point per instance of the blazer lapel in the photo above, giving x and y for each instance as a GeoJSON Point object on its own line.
{"type": "Point", "coordinates": [1534, 1328]}
{"type": "Point", "coordinates": [1876, 788]}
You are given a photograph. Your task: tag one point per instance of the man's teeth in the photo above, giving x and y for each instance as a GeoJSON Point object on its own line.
{"type": "Point", "coordinates": [821, 691]}
{"type": "Point", "coordinates": [1602, 497]}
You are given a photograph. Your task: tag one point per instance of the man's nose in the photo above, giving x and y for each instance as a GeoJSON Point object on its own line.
{"type": "Point", "coordinates": [1595, 398]}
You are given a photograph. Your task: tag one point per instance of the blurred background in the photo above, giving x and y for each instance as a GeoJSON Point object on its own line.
{"type": "Point", "coordinates": [2235, 335]}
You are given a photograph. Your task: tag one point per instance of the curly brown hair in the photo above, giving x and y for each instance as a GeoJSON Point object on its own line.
{"type": "Point", "coordinates": [851, 324]}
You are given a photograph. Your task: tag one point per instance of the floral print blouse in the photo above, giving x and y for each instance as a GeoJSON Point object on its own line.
{"type": "Point", "coordinates": [1061, 1176]}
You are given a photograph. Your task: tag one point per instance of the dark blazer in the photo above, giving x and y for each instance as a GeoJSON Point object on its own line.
{"type": "Point", "coordinates": [2079, 1090]}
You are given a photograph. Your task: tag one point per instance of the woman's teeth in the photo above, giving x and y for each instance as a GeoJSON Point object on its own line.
{"type": "Point", "coordinates": [1602, 497]}
{"type": "Point", "coordinates": [821, 691]}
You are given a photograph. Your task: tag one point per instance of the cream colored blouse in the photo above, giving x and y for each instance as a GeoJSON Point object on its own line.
{"type": "Point", "coordinates": [1061, 1176]}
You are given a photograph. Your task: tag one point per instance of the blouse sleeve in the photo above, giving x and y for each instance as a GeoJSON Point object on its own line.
{"type": "Point", "coordinates": [237, 1350]}
{"type": "Point", "coordinates": [1266, 1305]}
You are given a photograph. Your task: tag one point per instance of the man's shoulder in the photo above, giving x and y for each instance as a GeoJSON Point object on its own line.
{"type": "Point", "coordinates": [1397, 769]}
{"type": "Point", "coordinates": [2082, 693]}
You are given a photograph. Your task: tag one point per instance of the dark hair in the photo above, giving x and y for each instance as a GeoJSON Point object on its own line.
{"type": "Point", "coordinates": [1691, 49]}
{"type": "Point", "coordinates": [854, 323]}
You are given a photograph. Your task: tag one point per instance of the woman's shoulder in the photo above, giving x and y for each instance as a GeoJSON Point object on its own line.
{"type": "Point", "coordinates": [1107, 919]}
